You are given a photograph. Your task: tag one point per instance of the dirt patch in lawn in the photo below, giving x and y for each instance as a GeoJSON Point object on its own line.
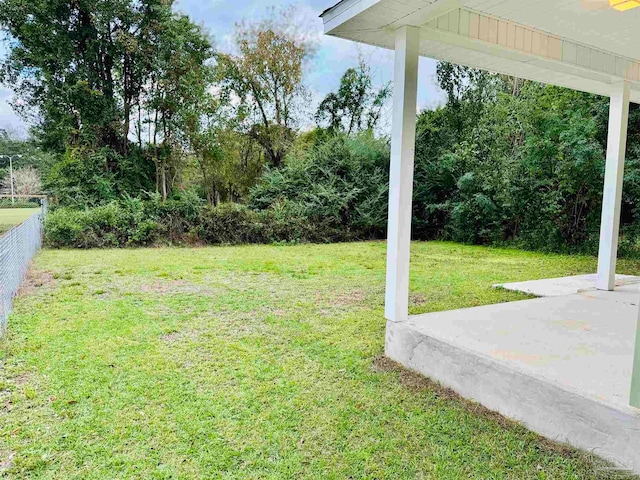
{"type": "Point", "coordinates": [417, 299]}
{"type": "Point", "coordinates": [6, 460]}
{"type": "Point", "coordinates": [21, 380]}
{"type": "Point", "coordinates": [173, 338]}
{"type": "Point", "coordinates": [344, 299]}
{"type": "Point", "coordinates": [37, 281]}
{"type": "Point", "coordinates": [348, 299]}
{"type": "Point", "coordinates": [170, 287]}
{"type": "Point", "coordinates": [412, 380]}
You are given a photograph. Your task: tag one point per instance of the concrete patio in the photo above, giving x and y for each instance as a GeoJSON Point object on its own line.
{"type": "Point", "coordinates": [558, 287]}
{"type": "Point", "coordinates": [559, 364]}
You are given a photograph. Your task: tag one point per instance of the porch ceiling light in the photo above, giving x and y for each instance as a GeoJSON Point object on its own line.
{"type": "Point", "coordinates": [624, 5]}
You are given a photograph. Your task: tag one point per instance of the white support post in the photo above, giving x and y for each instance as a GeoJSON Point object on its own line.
{"type": "Point", "coordinates": [635, 375]}
{"type": "Point", "coordinates": [403, 139]}
{"type": "Point", "coordinates": [614, 175]}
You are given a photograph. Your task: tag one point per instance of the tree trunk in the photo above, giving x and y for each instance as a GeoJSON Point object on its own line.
{"type": "Point", "coordinates": [163, 179]}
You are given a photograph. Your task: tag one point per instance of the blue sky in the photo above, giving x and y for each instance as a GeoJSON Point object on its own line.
{"type": "Point", "coordinates": [323, 74]}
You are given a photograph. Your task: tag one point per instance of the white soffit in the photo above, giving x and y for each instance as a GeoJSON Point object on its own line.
{"type": "Point", "coordinates": [493, 35]}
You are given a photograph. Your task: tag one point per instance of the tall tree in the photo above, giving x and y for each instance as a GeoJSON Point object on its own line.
{"type": "Point", "coordinates": [468, 91]}
{"type": "Point", "coordinates": [266, 76]}
{"type": "Point", "coordinates": [99, 73]}
{"type": "Point", "coordinates": [357, 105]}
{"type": "Point", "coordinates": [228, 161]}
{"type": "Point", "coordinates": [71, 62]}
{"type": "Point", "coordinates": [177, 91]}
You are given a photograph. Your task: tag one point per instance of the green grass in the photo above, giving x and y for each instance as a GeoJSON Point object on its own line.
{"type": "Point", "coordinates": [253, 362]}
{"type": "Point", "coordinates": [10, 217]}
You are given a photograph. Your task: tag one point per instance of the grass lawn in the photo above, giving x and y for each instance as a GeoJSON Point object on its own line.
{"type": "Point", "coordinates": [10, 217]}
{"type": "Point", "coordinates": [253, 362]}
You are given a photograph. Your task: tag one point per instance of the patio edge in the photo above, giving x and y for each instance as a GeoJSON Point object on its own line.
{"type": "Point", "coordinates": [541, 406]}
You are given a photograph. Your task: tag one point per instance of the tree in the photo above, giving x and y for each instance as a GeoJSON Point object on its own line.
{"type": "Point", "coordinates": [71, 62]}
{"type": "Point", "coordinates": [26, 181]}
{"type": "Point", "coordinates": [178, 89]}
{"type": "Point", "coordinates": [98, 73]}
{"type": "Point", "coordinates": [512, 160]}
{"type": "Point", "coordinates": [468, 91]}
{"type": "Point", "coordinates": [228, 162]}
{"type": "Point", "coordinates": [266, 76]}
{"type": "Point", "coordinates": [357, 105]}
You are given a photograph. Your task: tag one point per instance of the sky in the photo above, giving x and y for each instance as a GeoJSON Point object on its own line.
{"type": "Point", "coordinates": [333, 56]}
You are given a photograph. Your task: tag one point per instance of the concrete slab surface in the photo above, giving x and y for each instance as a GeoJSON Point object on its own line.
{"type": "Point", "coordinates": [558, 287]}
{"type": "Point", "coordinates": [581, 342]}
{"type": "Point", "coordinates": [561, 364]}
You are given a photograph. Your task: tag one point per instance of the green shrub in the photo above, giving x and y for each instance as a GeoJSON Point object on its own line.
{"type": "Point", "coordinates": [230, 224]}
{"type": "Point", "coordinates": [176, 217]}
{"type": "Point", "coordinates": [335, 191]}
{"type": "Point", "coordinates": [79, 179]}
{"type": "Point", "coordinates": [64, 228]}
{"type": "Point", "coordinates": [19, 203]}
{"type": "Point", "coordinates": [133, 222]}
{"type": "Point", "coordinates": [115, 224]}
{"type": "Point", "coordinates": [86, 176]}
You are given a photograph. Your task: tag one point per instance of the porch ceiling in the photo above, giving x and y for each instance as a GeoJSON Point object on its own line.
{"type": "Point", "coordinates": [552, 41]}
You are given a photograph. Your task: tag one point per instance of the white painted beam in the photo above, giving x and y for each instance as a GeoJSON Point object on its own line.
{"type": "Point", "coordinates": [425, 14]}
{"type": "Point", "coordinates": [635, 376]}
{"type": "Point", "coordinates": [613, 180]}
{"type": "Point", "coordinates": [403, 139]}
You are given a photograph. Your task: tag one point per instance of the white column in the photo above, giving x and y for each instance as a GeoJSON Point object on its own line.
{"type": "Point", "coordinates": [635, 376]}
{"type": "Point", "coordinates": [614, 173]}
{"type": "Point", "coordinates": [403, 139]}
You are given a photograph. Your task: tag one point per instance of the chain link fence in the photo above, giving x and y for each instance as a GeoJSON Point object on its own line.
{"type": "Point", "coordinates": [17, 248]}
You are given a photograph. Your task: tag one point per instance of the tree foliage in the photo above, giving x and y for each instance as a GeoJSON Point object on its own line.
{"type": "Point", "coordinates": [266, 77]}
{"type": "Point", "coordinates": [340, 183]}
{"type": "Point", "coordinates": [356, 106]}
{"type": "Point", "coordinates": [99, 73]}
{"type": "Point", "coordinates": [507, 160]}
{"type": "Point", "coordinates": [131, 103]}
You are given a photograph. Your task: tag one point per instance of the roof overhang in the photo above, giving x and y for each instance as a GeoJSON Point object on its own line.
{"type": "Point", "coordinates": [557, 42]}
